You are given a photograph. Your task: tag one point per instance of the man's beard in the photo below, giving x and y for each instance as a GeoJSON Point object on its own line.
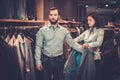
{"type": "Point", "coordinates": [53, 22]}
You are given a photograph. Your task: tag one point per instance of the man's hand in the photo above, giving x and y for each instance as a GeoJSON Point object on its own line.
{"type": "Point", "coordinates": [39, 67]}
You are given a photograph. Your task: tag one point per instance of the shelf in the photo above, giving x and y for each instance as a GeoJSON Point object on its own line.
{"type": "Point", "coordinates": [13, 22]}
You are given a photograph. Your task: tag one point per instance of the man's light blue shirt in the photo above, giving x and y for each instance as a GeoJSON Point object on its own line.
{"type": "Point", "coordinates": [49, 41]}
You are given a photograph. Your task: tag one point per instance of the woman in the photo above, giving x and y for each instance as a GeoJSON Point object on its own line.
{"type": "Point", "coordinates": [93, 36]}
{"type": "Point", "coordinates": [91, 39]}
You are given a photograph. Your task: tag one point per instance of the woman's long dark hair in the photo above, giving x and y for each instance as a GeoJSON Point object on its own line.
{"type": "Point", "coordinates": [97, 19]}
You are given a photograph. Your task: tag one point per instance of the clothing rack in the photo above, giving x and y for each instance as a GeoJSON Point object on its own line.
{"type": "Point", "coordinates": [18, 37]}
{"type": "Point", "coordinates": [117, 29]}
{"type": "Point", "coordinates": [70, 24]}
{"type": "Point", "coordinates": [28, 27]}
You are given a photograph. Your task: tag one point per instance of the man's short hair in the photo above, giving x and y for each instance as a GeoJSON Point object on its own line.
{"type": "Point", "coordinates": [54, 8]}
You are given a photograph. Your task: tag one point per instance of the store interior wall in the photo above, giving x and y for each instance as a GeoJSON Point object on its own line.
{"type": "Point", "coordinates": [70, 9]}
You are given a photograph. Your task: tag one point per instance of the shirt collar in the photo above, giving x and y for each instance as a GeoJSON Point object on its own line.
{"type": "Point", "coordinates": [50, 26]}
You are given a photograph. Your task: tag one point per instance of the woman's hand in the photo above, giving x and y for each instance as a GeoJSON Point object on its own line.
{"type": "Point", "coordinates": [85, 46]}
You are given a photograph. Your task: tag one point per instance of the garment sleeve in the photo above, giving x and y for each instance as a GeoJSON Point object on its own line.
{"type": "Point", "coordinates": [80, 37]}
{"type": "Point", "coordinates": [72, 43]}
{"type": "Point", "coordinates": [99, 39]}
{"type": "Point", "coordinates": [38, 46]}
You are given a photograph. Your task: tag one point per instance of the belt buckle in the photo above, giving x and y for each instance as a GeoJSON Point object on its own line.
{"type": "Point", "coordinates": [52, 58]}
